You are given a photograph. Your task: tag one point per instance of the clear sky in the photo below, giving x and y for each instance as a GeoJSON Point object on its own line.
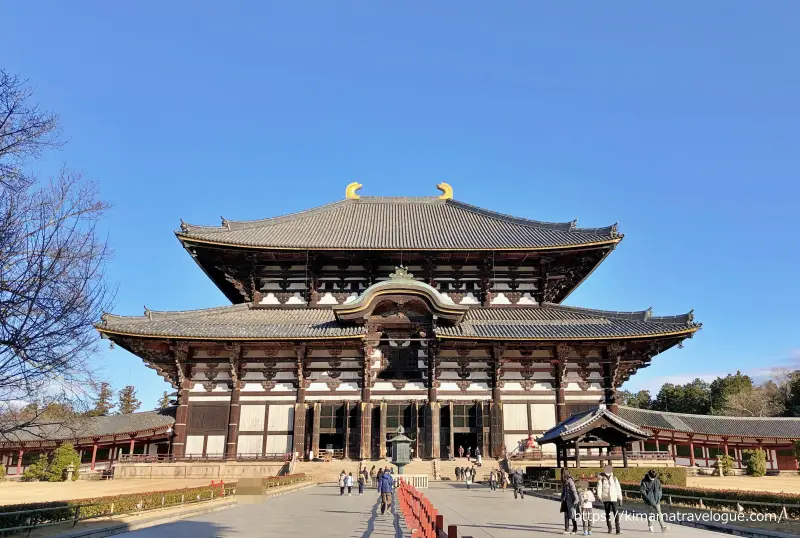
{"type": "Point", "coordinates": [677, 119]}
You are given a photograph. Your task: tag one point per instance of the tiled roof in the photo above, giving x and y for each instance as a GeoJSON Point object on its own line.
{"type": "Point", "coordinates": [583, 422]}
{"type": "Point", "coordinates": [549, 322]}
{"type": "Point", "coordinates": [233, 322]}
{"type": "Point", "coordinates": [399, 223]}
{"type": "Point", "coordinates": [553, 321]}
{"type": "Point", "coordinates": [88, 427]}
{"type": "Point", "coordinates": [754, 427]}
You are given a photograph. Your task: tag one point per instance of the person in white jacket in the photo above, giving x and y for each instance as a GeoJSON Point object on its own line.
{"type": "Point", "coordinates": [609, 492]}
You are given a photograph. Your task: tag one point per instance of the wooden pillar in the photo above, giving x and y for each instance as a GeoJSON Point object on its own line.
{"type": "Point", "coordinates": [625, 455]}
{"type": "Point", "coordinates": [725, 445]}
{"type": "Point", "coordinates": [366, 430]}
{"type": "Point", "coordinates": [577, 454]}
{"type": "Point", "coordinates": [691, 451]}
{"type": "Point", "coordinates": [346, 452]}
{"type": "Point", "coordinates": [612, 354]}
{"type": "Point", "coordinates": [300, 410]}
{"type": "Point", "coordinates": [315, 429]}
{"type": "Point", "coordinates": [559, 366]}
{"type": "Point", "coordinates": [184, 370]}
{"type": "Point", "coordinates": [382, 445]}
{"type": "Point", "coordinates": [130, 448]}
{"type": "Point", "coordinates": [19, 461]}
{"type": "Point", "coordinates": [94, 454]}
{"type": "Point", "coordinates": [234, 412]}
{"type": "Point", "coordinates": [558, 455]}
{"type": "Point", "coordinates": [432, 432]}
{"type": "Point", "coordinates": [299, 430]}
{"type": "Point", "coordinates": [655, 437]}
{"type": "Point", "coordinates": [453, 447]}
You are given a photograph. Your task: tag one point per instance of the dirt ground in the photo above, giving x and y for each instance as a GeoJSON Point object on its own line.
{"type": "Point", "coordinates": [785, 484]}
{"type": "Point", "coordinates": [23, 492]}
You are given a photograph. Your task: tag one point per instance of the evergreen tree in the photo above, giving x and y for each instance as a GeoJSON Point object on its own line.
{"type": "Point", "coordinates": [103, 404]}
{"type": "Point", "coordinates": [693, 397]}
{"type": "Point", "coordinates": [640, 400]}
{"type": "Point", "coordinates": [127, 401]}
{"type": "Point", "coordinates": [164, 401]}
{"type": "Point", "coordinates": [723, 388]}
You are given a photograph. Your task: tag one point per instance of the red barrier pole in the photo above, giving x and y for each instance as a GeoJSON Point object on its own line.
{"type": "Point", "coordinates": [452, 531]}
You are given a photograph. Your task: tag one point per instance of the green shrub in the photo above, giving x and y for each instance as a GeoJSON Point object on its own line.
{"type": "Point", "coordinates": [2, 472]}
{"type": "Point", "coordinates": [61, 458]}
{"type": "Point", "coordinates": [36, 470]}
{"type": "Point", "coordinates": [668, 475]}
{"type": "Point", "coordinates": [132, 502]}
{"type": "Point", "coordinates": [725, 464]}
{"type": "Point", "coordinates": [755, 461]}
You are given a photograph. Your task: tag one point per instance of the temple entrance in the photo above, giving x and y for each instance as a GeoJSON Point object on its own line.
{"type": "Point", "coordinates": [466, 440]}
{"type": "Point", "coordinates": [331, 442]}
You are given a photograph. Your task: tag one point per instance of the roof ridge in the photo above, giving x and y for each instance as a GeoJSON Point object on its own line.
{"type": "Point", "coordinates": [692, 415]}
{"type": "Point", "coordinates": [568, 226]}
{"type": "Point", "coordinates": [149, 315]}
{"type": "Point", "coordinates": [637, 315]}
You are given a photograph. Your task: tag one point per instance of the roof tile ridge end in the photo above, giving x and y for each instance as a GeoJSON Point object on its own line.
{"type": "Point", "coordinates": [641, 315]}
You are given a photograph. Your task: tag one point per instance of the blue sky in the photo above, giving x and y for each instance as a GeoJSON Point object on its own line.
{"type": "Point", "coordinates": [677, 119]}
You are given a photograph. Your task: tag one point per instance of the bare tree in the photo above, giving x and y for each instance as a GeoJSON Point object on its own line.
{"type": "Point", "coordinates": [755, 401]}
{"type": "Point", "coordinates": [52, 260]}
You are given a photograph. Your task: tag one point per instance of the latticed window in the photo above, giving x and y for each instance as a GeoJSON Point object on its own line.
{"type": "Point", "coordinates": [465, 416]}
{"type": "Point", "coordinates": [403, 363]}
{"type": "Point", "coordinates": [331, 416]}
{"type": "Point", "coordinates": [397, 415]}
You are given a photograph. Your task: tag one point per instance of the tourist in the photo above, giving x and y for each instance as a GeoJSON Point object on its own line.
{"type": "Point", "coordinates": [373, 474]}
{"type": "Point", "coordinates": [362, 479]}
{"type": "Point", "coordinates": [460, 451]}
{"type": "Point", "coordinates": [493, 480]}
{"type": "Point", "coordinates": [469, 452]}
{"type": "Point", "coordinates": [478, 457]}
{"type": "Point", "coordinates": [570, 502]}
{"type": "Point", "coordinates": [503, 479]}
{"type": "Point", "coordinates": [449, 453]}
{"type": "Point", "coordinates": [650, 489]}
{"type": "Point", "coordinates": [458, 474]}
{"type": "Point", "coordinates": [342, 482]}
{"type": "Point", "coordinates": [386, 487]}
{"type": "Point", "coordinates": [610, 493]}
{"type": "Point", "coordinates": [517, 481]}
{"type": "Point", "coordinates": [587, 506]}
{"type": "Point", "coordinates": [349, 483]}
{"type": "Point", "coordinates": [310, 454]}
{"type": "Point", "coordinates": [468, 477]}
{"type": "Point", "coordinates": [378, 478]}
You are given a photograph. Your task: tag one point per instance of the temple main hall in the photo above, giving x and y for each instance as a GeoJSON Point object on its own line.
{"type": "Point", "coordinates": [353, 318]}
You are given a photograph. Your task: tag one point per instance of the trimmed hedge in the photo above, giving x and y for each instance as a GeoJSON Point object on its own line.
{"type": "Point", "coordinates": [285, 480]}
{"type": "Point", "coordinates": [104, 506]}
{"type": "Point", "coordinates": [675, 476]}
{"type": "Point", "coordinates": [733, 496]}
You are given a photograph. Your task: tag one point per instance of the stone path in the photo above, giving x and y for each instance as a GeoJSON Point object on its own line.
{"type": "Point", "coordinates": [317, 512]}
{"type": "Point", "coordinates": [481, 513]}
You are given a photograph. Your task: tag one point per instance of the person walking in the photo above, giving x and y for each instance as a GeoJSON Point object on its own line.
{"type": "Point", "coordinates": [468, 477]}
{"type": "Point", "coordinates": [449, 453]}
{"type": "Point", "coordinates": [493, 480]}
{"type": "Point", "coordinates": [460, 451]}
{"type": "Point", "coordinates": [342, 482]}
{"type": "Point", "coordinates": [587, 507]}
{"type": "Point", "coordinates": [610, 493]}
{"type": "Point", "coordinates": [503, 479]}
{"type": "Point", "coordinates": [650, 489]}
{"type": "Point", "coordinates": [348, 481]}
{"type": "Point", "coordinates": [373, 474]}
{"type": "Point", "coordinates": [378, 478]}
{"type": "Point", "coordinates": [469, 452]}
{"type": "Point", "coordinates": [362, 480]}
{"type": "Point", "coordinates": [517, 481]}
{"type": "Point", "coordinates": [570, 502]}
{"type": "Point", "coordinates": [386, 488]}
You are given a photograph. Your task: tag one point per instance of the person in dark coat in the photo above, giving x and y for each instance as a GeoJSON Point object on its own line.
{"type": "Point", "coordinates": [378, 479]}
{"type": "Point", "coordinates": [570, 502]}
{"type": "Point", "coordinates": [650, 488]}
{"type": "Point", "coordinates": [386, 487]}
{"type": "Point", "coordinates": [517, 483]}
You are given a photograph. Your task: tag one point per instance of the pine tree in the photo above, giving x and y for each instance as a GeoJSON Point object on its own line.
{"type": "Point", "coordinates": [164, 401]}
{"type": "Point", "coordinates": [102, 403]}
{"type": "Point", "coordinates": [127, 401]}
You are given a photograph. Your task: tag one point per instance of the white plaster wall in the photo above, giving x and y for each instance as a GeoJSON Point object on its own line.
{"type": "Point", "coordinates": [215, 445]}
{"type": "Point", "coordinates": [279, 444]}
{"type": "Point", "coordinates": [251, 418]}
{"type": "Point", "coordinates": [249, 444]}
{"type": "Point", "coordinates": [194, 445]}
{"type": "Point", "coordinates": [543, 416]}
{"type": "Point", "coordinates": [515, 417]}
{"type": "Point", "coordinates": [512, 442]}
{"type": "Point", "coordinates": [281, 418]}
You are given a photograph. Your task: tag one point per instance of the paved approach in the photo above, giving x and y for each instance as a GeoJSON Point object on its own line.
{"type": "Point", "coordinates": [315, 512]}
{"type": "Point", "coordinates": [319, 512]}
{"type": "Point", "coordinates": [480, 513]}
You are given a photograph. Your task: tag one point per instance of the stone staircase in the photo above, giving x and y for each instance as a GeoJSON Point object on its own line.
{"type": "Point", "coordinates": [447, 469]}
{"type": "Point", "coordinates": [329, 471]}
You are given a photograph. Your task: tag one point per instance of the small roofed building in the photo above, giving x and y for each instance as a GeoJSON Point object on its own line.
{"type": "Point", "coordinates": [590, 433]}
{"type": "Point", "coordinates": [100, 441]}
{"type": "Point", "coordinates": [353, 318]}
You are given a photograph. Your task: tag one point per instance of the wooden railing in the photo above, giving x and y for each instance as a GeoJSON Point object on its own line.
{"type": "Point", "coordinates": [170, 458]}
{"type": "Point", "coordinates": [421, 517]}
